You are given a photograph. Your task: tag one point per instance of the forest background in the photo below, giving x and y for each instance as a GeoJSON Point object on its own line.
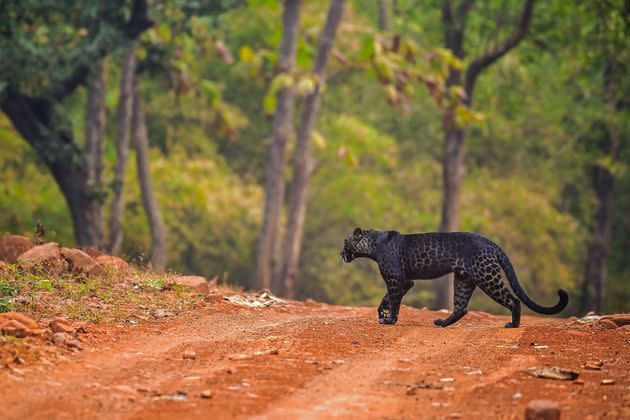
{"type": "Point", "coordinates": [231, 138]}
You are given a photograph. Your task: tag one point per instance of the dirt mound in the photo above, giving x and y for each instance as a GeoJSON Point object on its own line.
{"type": "Point", "coordinates": [20, 326]}
{"type": "Point", "coordinates": [45, 257]}
{"type": "Point", "coordinates": [114, 264]}
{"type": "Point", "coordinates": [12, 246]}
{"type": "Point", "coordinates": [80, 262]}
{"type": "Point", "coordinates": [198, 283]}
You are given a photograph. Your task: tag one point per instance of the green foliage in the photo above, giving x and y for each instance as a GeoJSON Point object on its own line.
{"type": "Point", "coordinates": [209, 78]}
{"type": "Point", "coordinates": [7, 291]}
{"type": "Point", "coordinates": [215, 204]}
{"type": "Point", "coordinates": [156, 283]}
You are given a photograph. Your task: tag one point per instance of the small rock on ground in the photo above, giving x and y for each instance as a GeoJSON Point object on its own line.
{"type": "Point", "coordinates": [542, 410]}
{"type": "Point", "coordinates": [12, 246]}
{"type": "Point", "coordinates": [608, 324]}
{"type": "Point", "coordinates": [112, 263]}
{"type": "Point", "coordinates": [618, 319]}
{"type": "Point", "coordinates": [161, 313]}
{"type": "Point", "coordinates": [189, 354]}
{"type": "Point", "coordinates": [20, 317]}
{"type": "Point", "coordinates": [46, 256]}
{"type": "Point", "coordinates": [80, 262]}
{"type": "Point", "coordinates": [195, 282]}
{"type": "Point", "coordinates": [60, 338]}
{"type": "Point", "coordinates": [61, 325]}
{"type": "Point", "coordinates": [14, 328]}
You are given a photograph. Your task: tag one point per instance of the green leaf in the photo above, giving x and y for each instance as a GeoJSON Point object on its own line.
{"type": "Point", "coordinates": [465, 116]}
{"type": "Point", "coordinates": [246, 54]}
{"type": "Point", "coordinates": [367, 47]}
{"type": "Point", "coordinates": [306, 85]}
{"type": "Point", "coordinates": [164, 32]}
{"type": "Point", "coordinates": [318, 140]}
{"type": "Point", "coordinates": [269, 104]}
{"type": "Point", "coordinates": [351, 159]}
{"type": "Point", "coordinates": [384, 68]}
{"type": "Point", "coordinates": [282, 80]}
{"type": "Point", "coordinates": [211, 90]}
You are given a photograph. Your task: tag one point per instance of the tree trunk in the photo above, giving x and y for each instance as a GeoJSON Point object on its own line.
{"type": "Point", "coordinates": [123, 117]}
{"type": "Point", "coordinates": [268, 244]}
{"type": "Point", "coordinates": [156, 224]}
{"type": "Point", "coordinates": [34, 119]}
{"type": "Point", "coordinates": [302, 161]}
{"type": "Point", "coordinates": [383, 14]}
{"type": "Point", "coordinates": [95, 130]}
{"type": "Point", "coordinates": [596, 267]}
{"type": "Point", "coordinates": [454, 23]}
{"type": "Point", "coordinates": [452, 176]}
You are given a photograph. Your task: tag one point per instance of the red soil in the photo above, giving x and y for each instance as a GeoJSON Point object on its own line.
{"type": "Point", "coordinates": [308, 360]}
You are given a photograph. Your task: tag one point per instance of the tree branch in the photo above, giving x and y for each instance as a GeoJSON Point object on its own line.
{"type": "Point", "coordinates": [489, 57]}
{"type": "Point", "coordinates": [463, 9]}
{"type": "Point", "coordinates": [453, 25]}
{"type": "Point", "coordinates": [451, 40]}
{"type": "Point", "coordinates": [447, 13]}
{"type": "Point", "coordinates": [138, 22]}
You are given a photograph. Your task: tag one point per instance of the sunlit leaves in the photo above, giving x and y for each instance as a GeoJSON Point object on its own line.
{"type": "Point", "coordinates": [269, 104]}
{"type": "Point", "coordinates": [348, 156]}
{"type": "Point", "coordinates": [368, 47]}
{"type": "Point", "coordinates": [211, 90]}
{"type": "Point", "coordinates": [164, 33]}
{"type": "Point", "coordinates": [464, 116]}
{"type": "Point", "coordinates": [352, 141]}
{"type": "Point", "coordinates": [252, 62]}
{"type": "Point", "coordinates": [246, 54]}
{"type": "Point", "coordinates": [306, 85]}
{"type": "Point", "coordinates": [399, 65]}
{"type": "Point", "coordinates": [318, 140]}
{"type": "Point", "coordinates": [281, 81]}
{"type": "Point", "coordinates": [178, 47]}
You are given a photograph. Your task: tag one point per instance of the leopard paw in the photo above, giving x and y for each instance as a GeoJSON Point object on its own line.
{"type": "Point", "coordinates": [440, 323]}
{"type": "Point", "coordinates": [511, 325]}
{"type": "Point", "coordinates": [387, 321]}
{"type": "Point", "coordinates": [383, 312]}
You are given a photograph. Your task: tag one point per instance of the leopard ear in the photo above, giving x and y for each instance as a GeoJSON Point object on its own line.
{"type": "Point", "coordinates": [385, 237]}
{"type": "Point", "coordinates": [357, 232]}
{"type": "Point", "coordinates": [391, 234]}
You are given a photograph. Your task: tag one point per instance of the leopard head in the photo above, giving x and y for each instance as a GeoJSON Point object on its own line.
{"type": "Point", "coordinates": [361, 243]}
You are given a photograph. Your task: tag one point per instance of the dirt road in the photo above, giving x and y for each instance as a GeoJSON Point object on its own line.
{"type": "Point", "coordinates": [308, 360]}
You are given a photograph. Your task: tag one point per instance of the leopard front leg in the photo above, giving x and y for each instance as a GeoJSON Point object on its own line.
{"type": "Point", "coordinates": [383, 309]}
{"type": "Point", "coordinates": [396, 289]}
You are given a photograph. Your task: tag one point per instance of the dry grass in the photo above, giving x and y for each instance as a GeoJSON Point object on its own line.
{"type": "Point", "coordinates": [111, 297]}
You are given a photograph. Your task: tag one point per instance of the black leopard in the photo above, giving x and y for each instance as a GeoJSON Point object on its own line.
{"type": "Point", "coordinates": [475, 261]}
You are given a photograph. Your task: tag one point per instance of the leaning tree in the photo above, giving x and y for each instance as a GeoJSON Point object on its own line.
{"type": "Point", "coordinates": [47, 50]}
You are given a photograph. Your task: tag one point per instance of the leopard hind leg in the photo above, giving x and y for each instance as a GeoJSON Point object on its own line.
{"type": "Point", "coordinates": [491, 282]}
{"type": "Point", "coordinates": [463, 290]}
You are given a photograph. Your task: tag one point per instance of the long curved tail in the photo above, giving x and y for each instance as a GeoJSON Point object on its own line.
{"type": "Point", "coordinates": [522, 296]}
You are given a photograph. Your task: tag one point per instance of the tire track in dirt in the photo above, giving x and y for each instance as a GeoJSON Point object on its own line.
{"type": "Point", "coordinates": [377, 385]}
{"type": "Point", "coordinates": [148, 358]}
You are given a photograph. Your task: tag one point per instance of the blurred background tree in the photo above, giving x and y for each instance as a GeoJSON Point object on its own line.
{"type": "Point", "coordinates": [546, 136]}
